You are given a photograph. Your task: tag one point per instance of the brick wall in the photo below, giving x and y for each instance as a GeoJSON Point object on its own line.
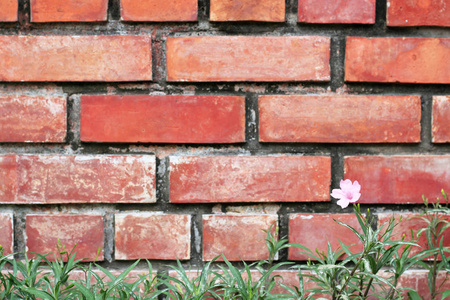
{"type": "Point", "coordinates": [163, 129]}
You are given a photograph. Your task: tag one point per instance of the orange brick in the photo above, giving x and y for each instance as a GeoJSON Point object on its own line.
{"type": "Point", "coordinates": [38, 119]}
{"type": "Point", "coordinates": [336, 11]}
{"type": "Point", "coordinates": [68, 10]}
{"type": "Point", "coordinates": [159, 10]}
{"type": "Point", "coordinates": [84, 231]}
{"type": "Point", "coordinates": [163, 119]}
{"type": "Point", "coordinates": [399, 179]}
{"type": "Point", "coordinates": [248, 10]}
{"type": "Point", "coordinates": [243, 58]}
{"type": "Point", "coordinates": [441, 113]}
{"type": "Point", "coordinates": [418, 13]}
{"type": "Point", "coordinates": [152, 236]}
{"type": "Point", "coordinates": [249, 179]}
{"type": "Point", "coordinates": [8, 10]}
{"type": "Point", "coordinates": [75, 58]}
{"type": "Point", "coordinates": [7, 236]}
{"type": "Point", "coordinates": [340, 119]}
{"type": "Point", "coordinates": [408, 60]}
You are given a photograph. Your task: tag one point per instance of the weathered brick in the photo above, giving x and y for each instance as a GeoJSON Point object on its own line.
{"type": "Point", "coordinates": [7, 233]}
{"type": "Point", "coordinates": [441, 113]}
{"type": "Point", "coordinates": [159, 10]}
{"type": "Point", "coordinates": [243, 58]}
{"type": "Point", "coordinates": [85, 231]}
{"type": "Point", "coordinates": [408, 60]}
{"type": "Point", "coordinates": [152, 236]}
{"type": "Point", "coordinates": [68, 11]}
{"type": "Point", "coordinates": [37, 119]}
{"type": "Point", "coordinates": [77, 179]}
{"type": "Point", "coordinates": [315, 231]}
{"type": "Point", "coordinates": [340, 119]}
{"type": "Point", "coordinates": [418, 13]}
{"type": "Point", "coordinates": [75, 58]}
{"type": "Point", "coordinates": [163, 119]}
{"type": "Point", "coordinates": [336, 11]}
{"type": "Point", "coordinates": [238, 237]}
{"type": "Point", "coordinates": [249, 179]}
{"type": "Point", "coordinates": [407, 224]}
{"type": "Point", "coordinates": [399, 179]}
{"type": "Point", "coordinates": [248, 10]}
{"type": "Point", "coordinates": [8, 10]}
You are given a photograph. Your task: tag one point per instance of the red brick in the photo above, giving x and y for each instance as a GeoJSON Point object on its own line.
{"type": "Point", "coordinates": [315, 231]}
{"type": "Point", "coordinates": [408, 60]}
{"type": "Point", "coordinates": [340, 119]}
{"type": "Point", "coordinates": [7, 236]}
{"type": "Point", "coordinates": [159, 10]}
{"type": "Point", "coordinates": [243, 58]}
{"type": "Point", "coordinates": [75, 58]}
{"type": "Point", "coordinates": [248, 10]}
{"type": "Point", "coordinates": [238, 237]}
{"type": "Point", "coordinates": [68, 11]}
{"type": "Point", "coordinates": [163, 119]}
{"type": "Point", "coordinates": [399, 179]}
{"type": "Point", "coordinates": [336, 11]}
{"type": "Point", "coordinates": [441, 113]}
{"type": "Point", "coordinates": [407, 224]}
{"type": "Point", "coordinates": [152, 236]}
{"type": "Point", "coordinates": [77, 179]}
{"type": "Point", "coordinates": [418, 13]}
{"type": "Point", "coordinates": [37, 119]}
{"type": "Point", "coordinates": [84, 231]}
{"type": "Point", "coordinates": [249, 179]}
{"type": "Point", "coordinates": [8, 10]}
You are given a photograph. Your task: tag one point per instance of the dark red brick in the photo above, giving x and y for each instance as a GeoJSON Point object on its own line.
{"type": "Point", "coordinates": [159, 10]}
{"type": "Point", "coordinates": [238, 237]}
{"type": "Point", "coordinates": [248, 10]}
{"type": "Point", "coordinates": [8, 178]}
{"type": "Point", "coordinates": [163, 119]}
{"type": "Point", "coordinates": [68, 11]}
{"type": "Point", "coordinates": [418, 13]}
{"type": "Point", "coordinates": [36, 119]}
{"type": "Point", "coordinates": [152, 236]}
{"type": "Point", "coordinates": [249, 179]}
{"type": "Point", "coordinates": [441, 113]}
{"type": "Point", "coordinates": [247, 58]}
{"type": "Point", "coordinates": [75, 58]}
{"type": "Point", "coordinates": [399, 179]}
{"type": "Point", "coordinates": [7, 236]}
{"type": "Point", "coordinates": [84, 231]}
{"type": "Point", "coordinates": [336, 11]}
{"type": "Point", "coordinates": [408, 60]}
{"type": "Point", "coordinates": [8, 10]}
{"type": "Point", "coordinates": [340, 119]}
{"type": "Point", "coordinates": [315, 231]}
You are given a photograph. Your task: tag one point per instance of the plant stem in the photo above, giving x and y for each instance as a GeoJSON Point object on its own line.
{"type": "Point", "coordinates": [349, 276]}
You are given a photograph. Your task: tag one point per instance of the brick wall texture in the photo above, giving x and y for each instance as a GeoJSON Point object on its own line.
{"type": "Point", "coordinates": [165, 129]}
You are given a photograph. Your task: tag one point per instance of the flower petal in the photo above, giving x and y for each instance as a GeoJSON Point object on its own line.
{"type": "Point", "coordinates": [337, 194]}
{"type": "Point", "coordinates": [356, 187]}
{"type": "Point", "coordinates": [343, 203]}
{"type": "Point", "coordinates": [355, 197]}
{"type": "Point", "coordinates": [346, 184]}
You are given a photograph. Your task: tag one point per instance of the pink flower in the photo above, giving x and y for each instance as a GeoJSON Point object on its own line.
{"type": "Point", "coordinates": [348, 193]}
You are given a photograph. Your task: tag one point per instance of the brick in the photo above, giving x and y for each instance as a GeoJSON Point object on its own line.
{"type": "Point", "coordinates": [36, 119]}
{"type": "Point", "coordinates": [238, 237]}
{"type": "Point", "coordinates": [407, 224]}
{"type": "Point", "coordinates": [399, 179]}
{"type": "Point", "coordinates": [68, 11]}
{"type": "Point", "coordinates": [7, 230]}
{"type": "Point", "coordinates": [152, 236]}
{"type": "Point", "coordinates": [159, 10]}
{"type": "Point", "coordinates": [163, 119]}
{"type": "Point", "coordinates": [77, 179]}
{"type": "Point", "coordinates": [84, 230]}
{"type": "Point", "coordinates": [340, 119]}
{"type": "Point", "coordinates": [249, 179]}
{"type": "Point", "coordinates": [248, 10]}
{"type": "Point", "coordinates": [8, 10]}
{"type": "Point", "coordinates": [315, 231]}
{"type": "Point", "coordinates": [243, 58]}
{"type": "Point", "coordinates": [75, 58]}
{"type": "Point", "coordinates": [441, 111]}
{"type": "Point", "coordinates": [418, 13]}
{"type": "Point", "coordinates": [336, 11]}
{"type": "Point", "coordinates": [407, 60]}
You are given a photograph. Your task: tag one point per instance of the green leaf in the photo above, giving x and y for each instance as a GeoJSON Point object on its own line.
{"type": "Point", "coordinates": [413, 295]}
{"type": "Point", "coordinates": [446, 294]}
